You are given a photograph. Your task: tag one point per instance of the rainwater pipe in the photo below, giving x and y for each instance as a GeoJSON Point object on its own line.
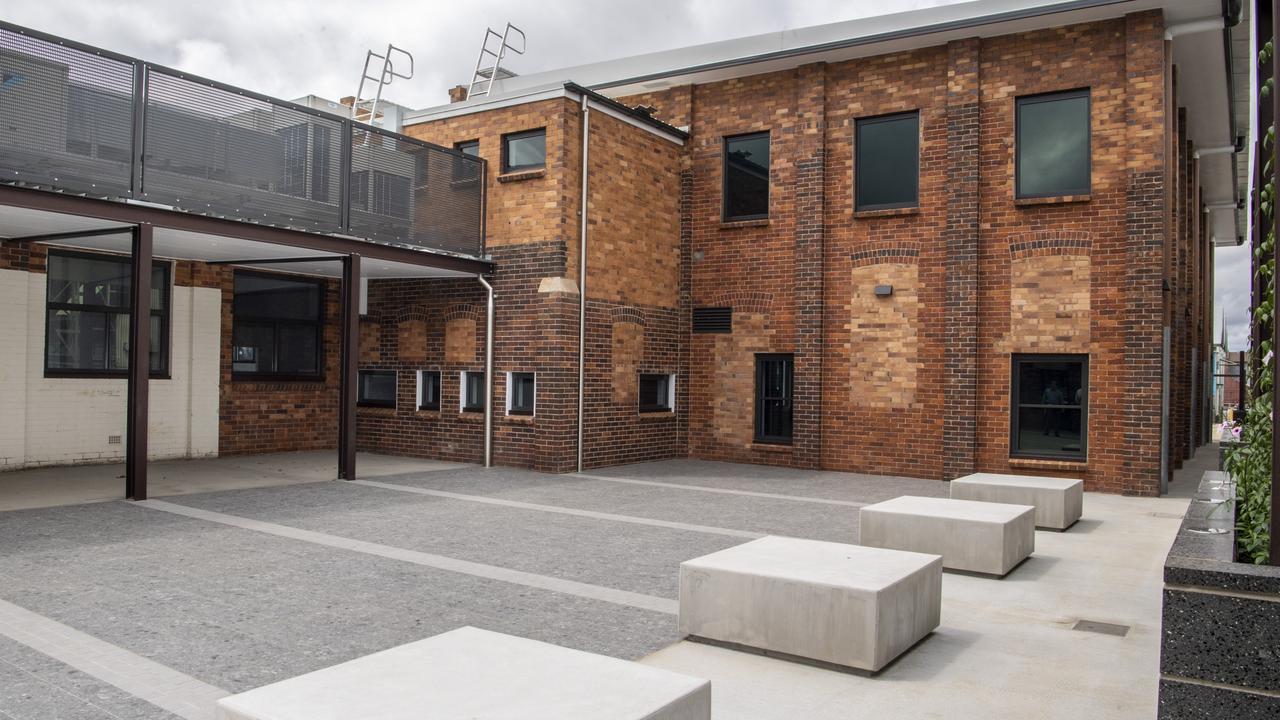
{"type": "Point", "coordinates": [488, 373]}
{"type": "Point", "coordinates": [582, 281]}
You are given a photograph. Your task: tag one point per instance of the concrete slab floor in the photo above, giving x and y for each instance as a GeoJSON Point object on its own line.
{"type": "Point", "coordinates": [74, 484]}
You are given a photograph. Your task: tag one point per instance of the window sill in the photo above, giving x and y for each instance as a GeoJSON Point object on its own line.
{"type": "Point", "coordinates": [376, 409]}
{"type": "Point", "coordinates": [471, 416]}
{"type": "Point", "coordinates": [1044, 464]}
{"type": "Point", "coordinates": [770, 447]}
{"type": "Point", "coordinates": [518, 418]}
{"type": "Point", "coordinates": [431, 412]}
{"type": "Point", "coordinates": [656, 415]}
{"type": "Point", "coordinates": [887, 212]}
{"type": "Point", "coordinates": [1053, 200]}
{"type": "Point", "coordinates": [519, 175]}
{"type": "Point", "coordinates": [274, 379]}
{"type": "Point", "coordinates": [735, 224]}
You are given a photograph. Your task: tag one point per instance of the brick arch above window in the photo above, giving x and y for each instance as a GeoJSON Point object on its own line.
{"type": "Point", "coordinates": [411, 326]}
{"type": "Point", "coordinates": [898, 254]}
{"type": "Point", "coordinates": [627, 314]}
{"type": "Point", "coordinates": [742, 301]}
{"type": "Point", "coordinates": [462, 312]}
{"type": "Point", "coordinates": [1051, 242]}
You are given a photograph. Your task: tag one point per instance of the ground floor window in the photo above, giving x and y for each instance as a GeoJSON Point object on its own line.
{"type": "Point", "coordinates": [1049, 406]}
{"type": "Point", "coordinates": [657, 392]}
{"type": "Point", "coordinates": [774, 378]}
{"type": "Point", "coordinates": [520, 393]}
{"type": "Point", "coordinates": [428, 389]}
{"type": "Point", "coordinates": [377, 388]}
{"type": "Point", "coordinates": [276, 326]}
{"type": "Point", "coordinates": [473, 391]}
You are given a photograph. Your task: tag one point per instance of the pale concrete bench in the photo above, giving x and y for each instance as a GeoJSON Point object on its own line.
{"type": "Point", "coordinates": [980, 537]}
{"type": "Point", "coordinates": [473, 673]}
{"type": "Point", "coordinates": [1059, 502]}
{"type": "Point", "coordinates": [818, 601]}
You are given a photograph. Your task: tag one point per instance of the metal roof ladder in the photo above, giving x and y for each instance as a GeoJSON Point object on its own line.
{"type": "Point", "coordinates": [482, 79]}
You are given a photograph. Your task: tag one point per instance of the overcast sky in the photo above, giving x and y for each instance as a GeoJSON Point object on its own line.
{"type": "Point", "coordinates": [290, 48]}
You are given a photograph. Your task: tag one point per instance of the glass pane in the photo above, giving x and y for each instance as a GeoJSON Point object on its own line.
{"type": "Point", "coordinates": [298, 351]}
{"type": "Point", "coordinates": [378, 387]}
{"type": "Point", "coordinates": [76, 340]}
{"type": "Point", "coordinates": [655, 391]}
{"type": "Point", "coordinates": [888, 161]}
{"type": "Point", "coordinates": [522, 391]}
{"type": "Point", "coordinates": [526, 150]}
{"type": "Point", "coordinates": [475, 390]}
{"type": "Point", "coordinates": [471, 148]}
{"type": "Point", "coordinates": [159, 287]}
{"type": "Point", "coordinates": [253, 348]}
{"type": "Point", "coordinates": [117, 342]}
{"type": "Point", "coordinates": [746, 176]}
{"type": "Point", "coordinates": [88, 281]}
{"type": "Point", "coordinates": [1052, 431]}
{"type": "Point", "coordinates": [430, 390]}
{"type": "Point", "coordinates": [1053, 146]}
{"type": "Point", "coordinates": [1051, 401]}
{"type": "Point", "coordinates": [157, 344]}
{"type": "Point", "coordinates": [261, 296]}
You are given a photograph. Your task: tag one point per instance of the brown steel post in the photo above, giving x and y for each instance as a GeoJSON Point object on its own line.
{"type": "Point", "coordinates": [349, 358]}
{"type": "Point", "coordinates": [135, 457]}
{"type": "Point", "coordinates": [1275, 325]}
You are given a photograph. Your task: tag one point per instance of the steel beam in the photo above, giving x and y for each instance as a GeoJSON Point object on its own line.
{"type": "Point", "coordinates": [135, 458]}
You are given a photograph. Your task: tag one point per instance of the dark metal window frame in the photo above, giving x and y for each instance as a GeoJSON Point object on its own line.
{"type": "Point", "coordinates": [361, 401]}
{"type": "Point", "coordinates": [514, 379]}
{"type": "Point", "coordinates": [470, 404]}
{"type": "Point", "coordinates": [1056, 95]}
{"type": "Point", "coordinates": [724, 178]}
{"type": "Point", "coordinates": [165, 318]}
{"type": "Point", "coordinates": [435, 377]}
{"type": "Point", "coordinates": [860, 123]}
{"type": "Point", "coordinates": [665, 404]}
{"type": "Point", "coordinates": [758, 434]}
{"type": "Point", "coordinates": [1015, 404]}
{"type": "Point", "coordinates": [275, 323]}
{"type": "Point", "coordinates": [507, 167]}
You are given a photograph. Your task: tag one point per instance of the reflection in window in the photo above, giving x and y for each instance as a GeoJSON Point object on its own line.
{"type": "Point", "coordinates": [276, 325]}
{"type": "Point", "coordinates": [888, 162]}
{"type": "Point", "coordinates": [1053, 144]}
{"type": "Point", "coordinates": [524, 151]}
{"type": "Point", "coordinates": [1050, 406]}
{"type": "Point", "coordinates": [377, 388]}
{"type": "Point", "coordinates": [746, 176]}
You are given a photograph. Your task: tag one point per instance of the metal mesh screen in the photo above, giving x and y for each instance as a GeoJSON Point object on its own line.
{"type": "Point", "coordinates": [66, 117]}
{"type": "Point", "coordinates": [216, 152]}
{"type": "Point", "coordinates": [403, 191]}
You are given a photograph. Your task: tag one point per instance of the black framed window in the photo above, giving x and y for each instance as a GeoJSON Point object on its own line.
{"type": "Point", "coordinates": [428, 389]}
{"type": "Point", "coordinates": [473, 388]}
{"type": "Point", "coordinates": [521, 389]}
{"type": "Point", "coordinates": [1050, 406]}
{"type": "Point", "coordinates": [746, 176]}
{"type": "Point", "coordinates": [524, 150]}
{"type": "Point", "coordinates": [376, 388]}
{"type": "Point", "coordinates": [1053, 144]}
{"type": "Point", "coordinates": [276, 326]}
{"type": "Point", "coordinates": [657, 392]}
{"type": "Point", "coordinates": [87, 315]}
{"type": "Point", "coordinates": [887, 162]}
{"type": "Point", "coordinates": [464, 171]}
{"type": "Point", "coordinates": [774, 378]}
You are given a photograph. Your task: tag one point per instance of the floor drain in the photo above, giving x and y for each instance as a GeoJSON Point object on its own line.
{"type": "Point", "coordinates": [1105, 628]}
{"type": "Point", "coordinates": [1166, 516]}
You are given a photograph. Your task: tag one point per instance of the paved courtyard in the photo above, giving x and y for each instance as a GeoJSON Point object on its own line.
{"type": "Point", "coordinates": [149, 610]}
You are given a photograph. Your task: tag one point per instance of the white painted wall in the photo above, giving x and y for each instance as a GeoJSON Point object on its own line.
{"type": "Point", "coordinates": [57, 421]}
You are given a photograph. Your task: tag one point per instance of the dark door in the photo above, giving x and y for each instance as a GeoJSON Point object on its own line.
{"type": "Point", "coordinates": [773, 398]}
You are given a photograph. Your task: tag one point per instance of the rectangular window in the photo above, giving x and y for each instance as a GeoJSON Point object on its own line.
{"type": "Point", "coordinates": [87, 315]}
{"type": "Point", "coordinates": [657, 393]}
{"type": "Point", "coordinates": [521, 387]}
{"type": "Point", "coordinates": [524, 151]}
{"type": "Point", "coordinates": [1050, 406]}
{"type": "Point", "coordinates": [276, 326]}
{"type": "Point", "coordinates": [464, 171]}
{"type": "Point", "coordinates": [1053, 155]}
{"type": "Point", "coordinates": [377, 388]}
{"type": "Point", "coordinates": [887, 162]}
{"type": "Point", "coordinates": [774, 376]}
{"type": "Point", "coordinates": [746, 177]}
{"type": "Point", "coordinates": [473, 388]}
{"type": "Point", "coordinates": [428, 389]}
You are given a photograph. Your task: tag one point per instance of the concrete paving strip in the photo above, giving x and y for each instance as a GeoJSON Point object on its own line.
{"type": "Point", "coordinates": [160, 685]}
{"type": "Point", "coordinates": [723, 491]}
{"type": "Point", "coordinates": [440, 562]}
{"type": "Point", "coordinates": [561, 510]}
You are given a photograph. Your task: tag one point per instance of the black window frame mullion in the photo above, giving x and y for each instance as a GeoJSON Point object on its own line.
{"type": "Point", "coordinates": [724, 178]}
{"type": "Point", "coordinates": [1018, 103]}
{"type": "Point", "coordinates": [858, 124]}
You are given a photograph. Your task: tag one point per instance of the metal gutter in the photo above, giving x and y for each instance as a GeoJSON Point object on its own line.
{"type": "Point", "coordinates": [631, 112]}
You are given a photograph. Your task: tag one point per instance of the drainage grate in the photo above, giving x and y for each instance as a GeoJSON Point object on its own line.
{"type": "Point", "coordinates": [1165, 516]}
{"type": "Point", "coordinates": [1097, 626]}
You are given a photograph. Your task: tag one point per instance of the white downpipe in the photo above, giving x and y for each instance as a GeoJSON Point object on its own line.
{"type": "Point", "coordinates": [582, 283]}
{"type": "Point", "coordinates": [1194, 26]}
{"type": "Point", "coordinates": [488, 374]}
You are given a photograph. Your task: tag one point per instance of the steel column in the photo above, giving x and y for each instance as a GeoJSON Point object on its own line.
{"type": "Point", "coordinates": [135, 458]}
{"type": "Point", "coordinates": [349, 359]}
{"type": "Point", "coordinates": [1275, 324]}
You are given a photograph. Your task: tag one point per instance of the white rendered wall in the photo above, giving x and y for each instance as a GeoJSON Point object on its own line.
{"type": "Point", "coordinates": [57, 421]}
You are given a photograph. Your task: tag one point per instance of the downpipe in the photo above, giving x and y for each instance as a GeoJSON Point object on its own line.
{"type": "Point", "coordinates": [488, 373]}
{"type": "Point", "coordinates": [582, 282]}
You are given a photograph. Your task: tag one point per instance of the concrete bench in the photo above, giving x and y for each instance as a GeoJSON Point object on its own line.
{"type": "Point", "coordinates": [980, 537]}
{"type": "Point", "coordinates": [1059, 502]}
{"type": "Point", "coordinates": [473, 673]}
{"type": "Point", "coordinates": [819, 601]}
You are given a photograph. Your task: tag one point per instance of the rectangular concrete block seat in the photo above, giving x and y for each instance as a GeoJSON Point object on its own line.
{"type": "Point", "coordinates": [471, 673]}
{"type": "Point", "coordinates": [842, 604]}
{"type": "Point", "coordinates": [979, 537]}
{"type": "Point", "coordinates": [1059, 502]}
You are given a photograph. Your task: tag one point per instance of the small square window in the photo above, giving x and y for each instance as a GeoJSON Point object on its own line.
{"type": "Point", "coordinates": [1050, 406]}
{"type": "Point", "coordinates": [473, 389]}
{"type": "Point", "coordinates": [657, 392]}
{"type": "Point", "coordinates": [1053, 145]}
{"type": "Point", "coordinates": [524, 151]}
{"type": "Point", "coordinates": [887, 166]}
{"type": "Point", "coordinates": [746, 177]}
{"type": "Point", "coordinates": [377, 388]}
{"type": "Point", "coordinates": [521, 388]}
{"type": "Point", "coordinates": [428, 389]}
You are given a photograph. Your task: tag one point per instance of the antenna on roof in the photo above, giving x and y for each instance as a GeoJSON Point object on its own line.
{"type": "Point", "coordinates": [482, 79]}
{"type": "Point", "coordinates": [364, 109]}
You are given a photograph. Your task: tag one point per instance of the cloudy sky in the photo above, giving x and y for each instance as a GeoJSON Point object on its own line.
{"type": "Point", "coordinates": [290, 48]}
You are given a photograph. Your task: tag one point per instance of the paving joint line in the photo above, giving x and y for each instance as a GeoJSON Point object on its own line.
{"type": "Point", "coordinates": [723, 491]}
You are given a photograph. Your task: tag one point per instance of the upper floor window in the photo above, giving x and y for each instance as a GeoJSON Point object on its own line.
{"type": "Point", "coordinates": [887, 162]}
{"type": "Point", "coordinates": [463, 170]}
{"type": "Point", "coordinates": [524, 150]}
{"type": "Point", "coordinates": [87, 315]}
{"type": "Point", "coordinates": [1053, 144]}
{"type": "Point", "coordinates": [276, 326]}
{"type": "Point", "coordinates": [746, 176]}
